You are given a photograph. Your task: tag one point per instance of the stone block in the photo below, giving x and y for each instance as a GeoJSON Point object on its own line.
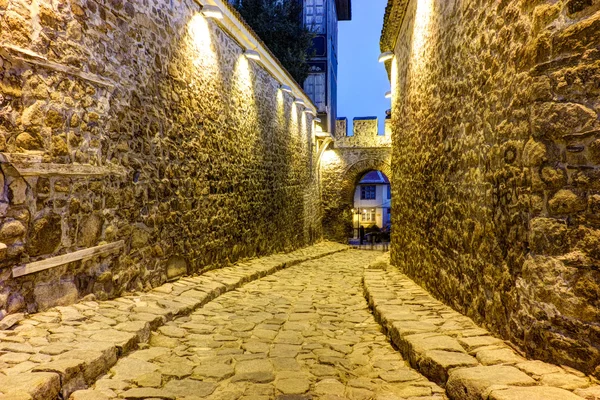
{"type": "Point", "coordinates": [473, 343]}
{"type": "Point", "coordinates": [565, 381]}
{"type": "Point", "coordinates": [498, 356]}
{"type": "Point", "coordinates": [39, 385]}
{"type": "Point", "coordinates": [415, 346]}
{"type": "Point", "coordinates": [471, 383]}
{"type": "Point", "coordinates": [435, 364]}
{"type": "Point", "coordinates": [48, 295]}
{"type": "Point", "coordinates": [532, 393]}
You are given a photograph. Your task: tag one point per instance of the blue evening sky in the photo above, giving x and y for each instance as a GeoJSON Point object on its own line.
{"type": "Point", "coordinates": [362, 81]}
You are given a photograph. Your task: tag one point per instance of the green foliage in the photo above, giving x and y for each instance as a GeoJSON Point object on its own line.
{"type": "Point", "coordinates": [279, 24]}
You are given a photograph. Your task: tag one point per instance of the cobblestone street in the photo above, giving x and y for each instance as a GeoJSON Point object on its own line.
{"type": "Point", "coordinates": [302, 331]}
{"type": "Point", "coordinates": [316, 323]}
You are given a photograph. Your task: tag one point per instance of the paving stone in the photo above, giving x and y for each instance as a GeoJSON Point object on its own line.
{"type": "Point", "coordinates": [292, 386]}
{"type": "Point", "coordinates": [147, 393]}
{"type": "Point", "coordinates": [532, 393]}
{"type": "Point", "coordinates": [66, 368]}
{"type": "Point", "coordinates": [151, 379]}
{"type": "Point", "coordinates": [591, 393]}
{"type": "Point", "coordinates": [470, 383]}
{"type": "Point", "coordinates": [435, 364]}
{"type": "Point", "coordinates": [39, 385]}
{"type": "Point", "coordinates": [124, 341]}
{"type": "Point", "coordinates": [475, 342]}
{"type": "Point", "coordinates": [88, 395]}
{"type": "Point", "coordinates": [95, 362]}
{"type": "Point", "coordinates": [176, 370]}
{"type": "Point", "coordinates": [498, 356]}
{"type": "Point", "coordinates": [14, 358]}
{"type": "Point", "coordinates": [329, 386]}
{"type": "Point", "coordinates": [537, 368]}
{"type": "Point", "coordinates": [415, 346]}
{"type": "Point", "coordinates": [129, 369]}
{"type": "Point", "coordinates": [564, 381]}
{"type": "Point", "coordinates": [217, 371]}
{"type": "Point", "coordinates": [400, 375]}
{"type": "Point", "coordinates": [187, 387]}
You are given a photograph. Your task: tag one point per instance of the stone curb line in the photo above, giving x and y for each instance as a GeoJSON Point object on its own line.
{"type": "Point", "coordinates": [451, 350]}
{"type": "Point", "coordinates": [65, 349]}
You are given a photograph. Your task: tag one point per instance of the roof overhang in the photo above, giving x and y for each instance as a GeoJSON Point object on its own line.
{"type": "Point", "coordinates": [344, 10]}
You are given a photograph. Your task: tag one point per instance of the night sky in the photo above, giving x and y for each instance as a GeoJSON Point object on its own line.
{"type": "Point", "coordinates": [362, 81]}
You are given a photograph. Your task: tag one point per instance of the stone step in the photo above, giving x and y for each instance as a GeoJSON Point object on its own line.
{"type": "Point", "coordinates": [454, 352]}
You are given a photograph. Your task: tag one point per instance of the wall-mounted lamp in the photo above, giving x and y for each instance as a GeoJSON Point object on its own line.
{"type": "Point", "coordinates": [212, 12]}
{"type": "Point", "coordinates": [309, 111]}
{"type": "Point", "coordinates": [299, 101]}
{"type": "Point", "coordinates": [388, 95]}
{"type": "Point", "coordinates": [285, 88]}
{"type": "Point", "coordinates": [317, 120]}
{"type": "Point", "coordinates": [388, 55]}
{"type": "Point", "coordinates": [252, 54]}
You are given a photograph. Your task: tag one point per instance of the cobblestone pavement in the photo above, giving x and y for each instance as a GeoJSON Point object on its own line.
{"type": "Point", "coordinates": [304, 332]}
{"type": "Point", "coordinates": [49, 355]}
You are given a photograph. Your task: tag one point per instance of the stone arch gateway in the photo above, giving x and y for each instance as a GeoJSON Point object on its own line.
{"type": "Point", "coordinates": [343, 164]}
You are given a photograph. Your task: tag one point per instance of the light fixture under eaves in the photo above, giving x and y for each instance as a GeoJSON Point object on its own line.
{"type": "Point", "coordinates": [388, 95]}
{"type": "Point", "coordinates": [286, 88]}
{"type": "Point", "coordinates": [309, 111]}
{"type": "Point", "coordinates": [317, 120]}
{"type": "Point", "coordinates": [252, 54]}
{"type": "Point", "coordinates": [212, 12]}
{"type": "Point", "coordinates": [299, 101]}
{"type": "Point", "coordinates": [388, 55]}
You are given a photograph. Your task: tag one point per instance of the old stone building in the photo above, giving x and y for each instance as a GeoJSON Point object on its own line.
{"type": "Point", "coordinates": [343, 164]}
{"type": "Point", "coordinates": [496, 165]}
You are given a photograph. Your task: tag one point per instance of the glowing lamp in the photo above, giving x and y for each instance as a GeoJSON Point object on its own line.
{"type": "Point", "coordinates": [299, 101]}
{"type": "Point", "coordinates": [309, 111]}
{"type": "Point", "coordinates": [317, 120]}
{"type": "Point", "coordinates": [388, 95]}
{"type": "Point", "coordinates": [212, 12]}
{"type": "Point", "coordinates": [252, 54]}
{"type": "Point", "coordinates": [388, 55]}
{"type": "Point", "coordinates": [286, 88]}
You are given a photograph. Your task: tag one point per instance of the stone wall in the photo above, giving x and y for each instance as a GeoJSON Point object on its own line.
{"type": "Point", "coordinates": [496, 165]}
{"type": "Point", "coordinates": [342, 167]}
{"type": "Point", "coordinates": [365, 133]}
{"type": "Point", "coordinates": [139, 144]}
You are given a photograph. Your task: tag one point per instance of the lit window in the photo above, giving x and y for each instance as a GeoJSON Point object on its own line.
{"type": "Point", "coordinates": [368, 192]}
{"type": "Point", "coordinates": [368, 216]}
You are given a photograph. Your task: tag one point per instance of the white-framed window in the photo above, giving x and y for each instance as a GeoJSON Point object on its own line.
{"type": "Point", "coordinates": [314, 15]}
{"type": "Point", "coordinates": [368, 192]}
{"type": "Point", "coordinates": [314, 86]}
{"type": "Point", "coordinates": [368, 215]}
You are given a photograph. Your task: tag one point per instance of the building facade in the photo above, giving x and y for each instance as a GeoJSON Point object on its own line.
{"type": "Point", "coordinates": [322, 16]}
{"type": "Point", "coordinates": [373, 201]}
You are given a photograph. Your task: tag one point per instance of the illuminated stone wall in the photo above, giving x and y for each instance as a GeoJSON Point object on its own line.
{"type": "Point", "coordinates": [143, 126]}
{"type": "Point", "coordinates": [496, 165]}
{"type": "Point", "coordinates": [342, 167]}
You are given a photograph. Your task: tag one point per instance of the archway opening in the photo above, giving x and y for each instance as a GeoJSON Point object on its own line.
{"type": "Point", "coordinates": [372, 209]}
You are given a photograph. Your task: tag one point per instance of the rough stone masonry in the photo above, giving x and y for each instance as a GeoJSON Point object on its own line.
{"type": "Point", "coordinates": [496, 176]}
{"type": "Point", "coordinates": [139, 144]}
